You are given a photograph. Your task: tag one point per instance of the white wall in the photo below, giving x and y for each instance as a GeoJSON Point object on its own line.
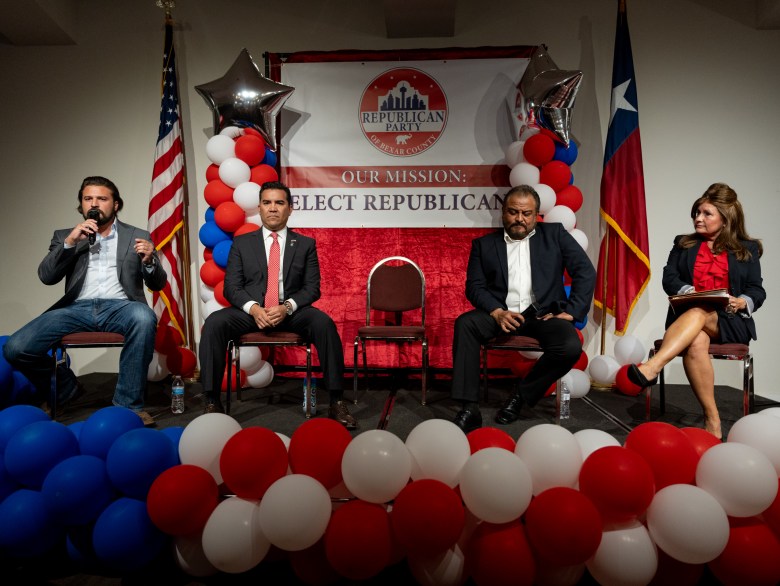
{"type": "Point", "coordinates": [707, 100]}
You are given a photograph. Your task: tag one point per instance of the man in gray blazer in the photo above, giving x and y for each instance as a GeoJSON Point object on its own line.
{"type": "Point", "coordinates": [514, 280]}
{"type": "Point", "coordinates": [105, 264]}
{"type": "Point", "coordinates": [286, 304]}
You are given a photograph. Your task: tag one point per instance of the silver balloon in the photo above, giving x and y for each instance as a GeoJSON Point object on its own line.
{"type": "Point", "coordinates": [244, 97]}
{"type": "Point", "coordinates": [545, 96]}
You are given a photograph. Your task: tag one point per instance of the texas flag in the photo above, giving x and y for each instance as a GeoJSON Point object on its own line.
{"type": "Point", "coordinates": [624, 257]}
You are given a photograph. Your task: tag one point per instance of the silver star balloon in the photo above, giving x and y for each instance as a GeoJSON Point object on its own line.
{"type": "Point", "coordinates": [545, 96]}
{"type": "Point", "coordinates": [244, 97]}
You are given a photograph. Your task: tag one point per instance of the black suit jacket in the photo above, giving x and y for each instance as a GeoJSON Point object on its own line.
{"type": "Point", "coordinates": [553, 250]}
{"type": "Point", "coordinates": [247, 270]}
{"type": "Point", "coordinates": [71, 264]}
{"type": "Point", "coordinates": [744, 277]}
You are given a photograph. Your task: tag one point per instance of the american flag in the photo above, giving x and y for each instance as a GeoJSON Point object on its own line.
{"type": "Point", "coordinates": [166, 203]}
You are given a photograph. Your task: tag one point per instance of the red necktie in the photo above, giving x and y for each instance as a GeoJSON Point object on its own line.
{"type": "Point", "coordinates": [272, 290]}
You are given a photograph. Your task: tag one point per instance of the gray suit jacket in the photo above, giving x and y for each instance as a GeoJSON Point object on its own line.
{"type": "Point", "coordinates": [72, 264]}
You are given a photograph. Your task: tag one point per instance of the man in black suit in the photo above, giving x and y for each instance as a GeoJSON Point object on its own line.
{"type": "Point", "coordinates": [288, 306]}
{"type": "Point", "coordinates": [515, 282]}
{"type": "Point", "coordinates": [105, 264]}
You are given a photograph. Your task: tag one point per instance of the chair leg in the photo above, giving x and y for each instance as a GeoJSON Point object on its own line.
{"type": "Point", "coordinates": [748, 398]}
{"type": "Point", "coordinates": [365, 361]}
{"type": "Point", "coordinates": [53, 387]}
{"type": "Point", "coordinates": [308, 381]}
{"type": "Point", "coordinates": [424, 369]}
{"type": "Point", "coordinates": [485, 372]}
{"type": "Point", "coordinates": [229, 378]}
{"type": "Point", "coordinates": [648, 391]}
{"type": "Point", "coordinates": [384, 418]}
{"type": "Point", "coordinates": [355, 372]}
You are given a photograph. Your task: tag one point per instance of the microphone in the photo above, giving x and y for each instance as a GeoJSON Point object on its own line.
{"type": "Point", "coordinates": [93, 214]}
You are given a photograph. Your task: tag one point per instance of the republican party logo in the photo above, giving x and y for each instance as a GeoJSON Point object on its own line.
{"type": "Point", "coordinates": [403, 112]}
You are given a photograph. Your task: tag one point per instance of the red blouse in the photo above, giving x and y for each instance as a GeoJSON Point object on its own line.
{"type": "Point", "coordinates": [710, 271]}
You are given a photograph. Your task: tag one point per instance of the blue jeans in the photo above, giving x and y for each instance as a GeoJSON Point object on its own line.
{"type": "Point", "coordinates": [27, 349]}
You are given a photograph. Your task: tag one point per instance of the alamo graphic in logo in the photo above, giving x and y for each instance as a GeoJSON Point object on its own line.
{"type": "Point", "coordinates": [403, 112]}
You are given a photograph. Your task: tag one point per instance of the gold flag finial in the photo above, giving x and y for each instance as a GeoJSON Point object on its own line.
{"type": "Point", "coordinates": [166, 5]}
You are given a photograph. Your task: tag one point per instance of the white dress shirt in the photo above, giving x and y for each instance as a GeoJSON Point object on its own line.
{"type": "Point", "coordinates": [520, 293]}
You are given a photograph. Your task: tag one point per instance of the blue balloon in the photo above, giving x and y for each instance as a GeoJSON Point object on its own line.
{"type": "Point", "coordinates": [210, 234]}
{"type": "Point", "coordinates": [103, 427]}
{"type": "Point", "coordinates": [209, 215]}
{"type": "Point", "coordinates": [37, 448]}
{"type": "Point", "coordinates": [23, 390]}
{"type": "Point", "coordinates": [221, 252]}
{"type": "Point", "coordinates": [78, 544]}
{"type": "Point", "coordinates": [6, 377]}
{"type": "Point", "coordinates": [137, 458]}
{"type": "Point", "coordinates": [567, 289]}
{"type": "Point", "coordinates": [77, 490]}
{"type": "Point", "coordinates": [581, 324]}
{"type": "Point", "coordinates": [270, 157]}
{"type": "Point", "coordinates": [12, 419]}
{"type": "Point", "coordinates": [28, 529]}
{"type": "Point", "coordinates": [75, 427]}
{"type": "Point", "coordinates": [566, 154]}
{"type": "Point", "coordinates": [124, 537]}
{"type": "Point", "coordinates": [174, 433]}
{"type": "Point", "coordinates": [7, 484]}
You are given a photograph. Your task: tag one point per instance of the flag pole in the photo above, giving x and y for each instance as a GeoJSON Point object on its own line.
{"type": "Point", "coordinates": [604, 287]}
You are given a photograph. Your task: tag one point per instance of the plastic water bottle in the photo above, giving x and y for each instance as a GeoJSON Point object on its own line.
{"type": "Point", "coordinates": [565, 402]}
{"type": "Point", "coordinates": [313, 395]}
{"type": "Point", "coordinates": [177, 395]}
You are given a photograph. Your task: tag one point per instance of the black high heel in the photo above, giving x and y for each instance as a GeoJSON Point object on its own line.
{"type": "Point", "coordinates": [635, 376]}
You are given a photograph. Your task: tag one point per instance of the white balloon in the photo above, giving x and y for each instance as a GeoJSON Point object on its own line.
{"type": "Point", "coordinates": [578, 383]}
{"type": "Point", "coordinates": [285, 439]}
{"type": "Point", "coordinates": [202, 441]}
{"type": "Point", "coordinates": [262, 377]}
{"type": "Point", "coordinates": [603, 369]}
{"type": "Point", "coordinates": [206, 292]}
{"type": "Point", "coordinates": [439, 449]}
{"type": "Point", "coordinates": [234, 172]}
{"type": "Point", "coordinates": [523, 174]}
{"type": "Point", "coordinates": [626, 556]}
{"type": "Point", "coordinates": [190, 557]}
{"type": "Point", "coordinates": [688, 523]}
{"type": "Point", "coordinates": [232, 538]}
{"type": "Point", "coordinates": [251, 358]}
{"type": "Point", "coordinates": [247, 196]}
{"type": "Point", "coordinates": [531, 354]}
{"type": "Point", "coordinates": [773, 411]}
{"type": "Point", "coordinates": [376, 465]}
{"type": "Point", "coordinates": [561, 215]}
{"type": "Point", "coordinates": [158, 368]}
{"type": "Point", "coordinates": [496, 485]}
{"type": "Point", "coordinates": [552, 454]}
{"type": "Point", "coordinates": [629, 350]}
{"type": "Point", "coordinates": [762, 431]}
{"type": "Point", "coordinates": [254, 219]}
{"type": "Point", "coordinates": [219, 148]}
{"type": "Point", "coordinates": [591, 440]}
{"type": "Point", "coordinates": [528, 132]}
{"type": "Point", "coordinates": [740, 477]}
{"type": "Point", "coordinates": [580, 237]}
{"type": "Point", "coordinates": [514, 153]}
{"type": "Point", "coordinates": [232, 131]}
{"type": "Point", "coordinates": [445, 569]}
{"type": "Point", "coordinates": [294, 512]}
{"type": "Point", "coordinates": [211, 306]}
{"type": "Point", "coordinates": [547, 197]}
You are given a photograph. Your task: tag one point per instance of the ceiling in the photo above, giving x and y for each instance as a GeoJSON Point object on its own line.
{"type": "Point", "coordinates": [52, 22]}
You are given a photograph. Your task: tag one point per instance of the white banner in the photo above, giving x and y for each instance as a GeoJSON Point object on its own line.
{"type": "Point", "coordinates": [398, 143]}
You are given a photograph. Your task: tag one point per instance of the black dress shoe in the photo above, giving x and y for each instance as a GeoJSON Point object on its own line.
{"type": "Point", "coordinates": [213, 407]}
{"type": "Point", "coordinates": [468, 420]}
{"type": "Point", "coordinates": [635, 376]}
{"type": "Point", "coordinates": [510, 412]}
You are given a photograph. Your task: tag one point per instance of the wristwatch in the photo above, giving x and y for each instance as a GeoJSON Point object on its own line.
{"type": "Point", "coordinates": [288, 305]}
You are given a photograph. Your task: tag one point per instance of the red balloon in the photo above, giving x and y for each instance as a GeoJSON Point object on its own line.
{"type": "Point", "coordinates": [701, 440]}
{"type": "Point", "coordinates": [668, 451]}
{"type": "Point", "coordinates": [618, 482]}
{"type": "Point", "coordinates": [181, 499]}
{"type": "Point", "coordinates": [316, 449]}
{"type": "Point", "coordinates": [212, 172]}
{"type": "Point", "coordinates": [563, 526]}
{"type": "Point", "coordinates": [490, 437]}
{"type": "Point", "coordinates": [490, 550]}
{"type": "Point", "coordinates": [624, 384]}
{"type": "Point", "coordinates": [181, 361]}
{"type": "Point", "coordinates": [252, 131]}
{"type": "Point", "coordinates": [208, 254]}
{"type": "Point", "coordinates": [252, 460]}
{"type": "Point", "coordinates": [582, 361]}
{"type": "Point", "coordinates": [772, 514]}
{"type": "Point", "coordinates": [229, 216]}
{"type": "Point", "coordinates": [211, 273]}
{"type": "Point", "coordinates": [672, 571]}
{"type": "Point", "coordinates": [556, 174]}
{"type": "Point", "coordinates": [581, 336]}
{"type": "Point", "coordinates": [263, 173]}
{"type": "Point", "coordinates": [358, 541]}
{"type": "Point", "coordinates": [311, 565]}
{"type": "Point", "coordinates": [219, 294]}
{"type": "Point", "coordinates": [166, 339]}
{"type": "Point", "coordinates": [427, 517]}
{"type": "Point", "coordinates": [752, 554]}
{"type": "Point", "coordinates": [539, 149]}
{"type": "Point", "coordinates": [521, 366]}
{"type": "Point", "coordinates": [570, 196]}
{"type": "Point", "coordinates": [250, 148]}
{"type": "Point", "coordinates": [242, 380]}
{"type": "Point", "coordinates": [246, 229]}
{"type": "Point", "coordinates": [216, 192]}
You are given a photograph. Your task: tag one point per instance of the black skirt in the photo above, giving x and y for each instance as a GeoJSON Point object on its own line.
{"type": "Point", "coordinates": [732, 329]}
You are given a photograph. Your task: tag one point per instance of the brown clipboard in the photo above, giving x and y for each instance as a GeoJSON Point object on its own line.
{"type": "Point", "coordinates": [715, 297]}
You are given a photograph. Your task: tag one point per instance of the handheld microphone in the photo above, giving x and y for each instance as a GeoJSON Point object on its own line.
{"type": "Point", "coordinates": [93, 214]}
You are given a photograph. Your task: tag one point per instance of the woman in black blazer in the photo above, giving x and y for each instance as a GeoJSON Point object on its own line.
{"type": "Point", "coordinates": [718, 254]}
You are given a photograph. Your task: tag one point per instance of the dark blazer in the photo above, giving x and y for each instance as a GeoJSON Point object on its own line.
{"type": "Point", "coordinates": [247, 269]}
{"type": "Point", "coordinates": [72, 263]}
{"type": "Point", "coordinates": [553, 250]}
{"type": "Point", "coordinates": [744, 277]}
